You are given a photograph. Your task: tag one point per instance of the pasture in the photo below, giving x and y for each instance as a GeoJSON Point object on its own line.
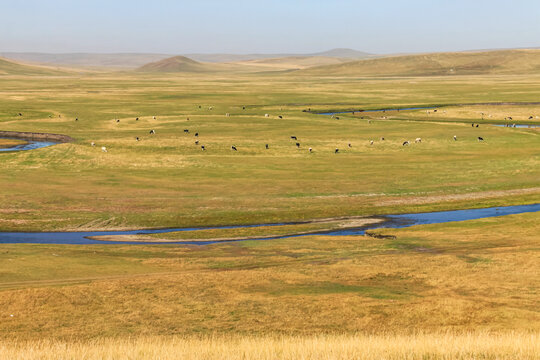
{"type": "Point", "coordinates": [430, 284]}
{"type": "Point", "coordinates": [167, 180]}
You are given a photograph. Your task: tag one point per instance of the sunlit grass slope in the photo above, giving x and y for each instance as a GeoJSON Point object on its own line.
{"type": "Point", "coordinates": [8, 67]}
{"type": "Point", "coordinates": [498, 62]}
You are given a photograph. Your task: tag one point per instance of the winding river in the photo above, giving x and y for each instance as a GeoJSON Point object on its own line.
{"type": "Point", "coordinates": [389, 221]}
{"type": "Point", "coordinates": [29, 145]}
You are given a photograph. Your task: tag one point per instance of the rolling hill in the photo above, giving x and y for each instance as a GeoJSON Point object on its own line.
{"type": "Point", "coordinates": [119, 60]}
{"type": "Point", "coordinates": [181, 64]}
{"type": "Point", "coordinates": [436, 64]}
{"type": "Point", "coordinates": [135, 60]}
{"type": "Point", "coordinates": [294, 62]}
{"type": "Point", "coordinates": [8, 67]}
{"type": "Point", "coordinates": [340, 53]}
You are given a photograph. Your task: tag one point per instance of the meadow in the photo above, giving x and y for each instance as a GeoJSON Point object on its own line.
{"type": "Point", "coordinates": [468, 288]}
{"type": "Point", "coordinates": [166, 180]}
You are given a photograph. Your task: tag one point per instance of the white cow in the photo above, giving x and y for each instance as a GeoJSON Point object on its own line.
{"type": "Point", "coordinates": [104, 149]}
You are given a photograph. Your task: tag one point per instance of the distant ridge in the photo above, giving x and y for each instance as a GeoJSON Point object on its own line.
{"type": "Point", "coordinates": [8, 67]}
{"type": "Point", "coordinates": [135, 60]}
{"type": "Point", "coordinates": [341, 53]}
{"type": "Point", "coordinates": [437, 64]}
{"type": "Point", "coordinates": [120, 60]}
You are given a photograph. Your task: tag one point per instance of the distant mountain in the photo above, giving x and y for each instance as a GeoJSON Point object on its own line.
{"type": "Point", "coordinates": [436, 64]}
{"type": "Point", "coordinates": [135, 60]}
{"type": "Point", "coordinates": [8, 67]}
{"type": "Point", "coordinates": [121, 60]}
{"type": "Point", "coordinates": [343, 53]}
{"type": "Point", "coordinates": [340, 53]}
{"type": "Point", "coordinates": [293, 62]}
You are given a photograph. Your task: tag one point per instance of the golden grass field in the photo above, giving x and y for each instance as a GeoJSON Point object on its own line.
{"type": "Point", "coordinates": [458, 290]}
{"type": "Point", "coordinates": [344, 347]}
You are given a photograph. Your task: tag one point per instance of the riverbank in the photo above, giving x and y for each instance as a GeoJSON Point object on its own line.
{"type": "Point", "coordinates": [459, 277]}
{"type": "Point", "coordinates": [25, 135]}
{"type": "Point", "coordinates": [9, 143]}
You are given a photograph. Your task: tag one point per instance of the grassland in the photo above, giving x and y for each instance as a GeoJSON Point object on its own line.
{"type": "Point", "coordinates": [8, 67]}
{"type": "Point", "coordinates": [458, 290]}
{"type": "Point", "coordinates": [345, 347]}
{"type": "Point", "coordinates": [471, 286]}
{"type": "Point", "coordinates": [498, 62]}
{"type": "Point", "coordinates": [166, 180]}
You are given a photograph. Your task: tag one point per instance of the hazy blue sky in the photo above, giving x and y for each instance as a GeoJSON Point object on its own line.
{"type": "Point", "coordinates": [236, 26]}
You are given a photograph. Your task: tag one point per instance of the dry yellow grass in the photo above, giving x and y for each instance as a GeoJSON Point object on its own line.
{"type": "Point", "coordinates": [421, 346]}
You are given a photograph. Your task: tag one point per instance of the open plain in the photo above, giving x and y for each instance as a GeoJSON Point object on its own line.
{"type": "Point", "coordinates": [471, 286]}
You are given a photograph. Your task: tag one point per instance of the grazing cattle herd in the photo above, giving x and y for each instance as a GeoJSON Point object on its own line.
{"type": "Point", "coordinates": [293, 137]}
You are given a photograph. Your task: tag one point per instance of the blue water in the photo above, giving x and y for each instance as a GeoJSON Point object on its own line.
{"type": "Point", "coordinates": [31, 145]}
{"type": "Point", "coordinates": [390, 221]}
{"type": "Point", "coordinates": [378, 110]}
{"type": "Point", "coordinates": [527, 126]}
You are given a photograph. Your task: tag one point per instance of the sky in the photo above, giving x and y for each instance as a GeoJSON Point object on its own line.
{"type": "Point", "coordinates": [279, 26]}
